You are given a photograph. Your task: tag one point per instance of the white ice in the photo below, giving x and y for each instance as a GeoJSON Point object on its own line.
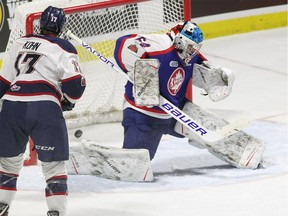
{"type": "Point", "coordinates": [190, 181]}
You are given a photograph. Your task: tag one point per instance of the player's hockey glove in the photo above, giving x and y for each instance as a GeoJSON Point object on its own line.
{"type": "Point", "coordinates": [67, 105]}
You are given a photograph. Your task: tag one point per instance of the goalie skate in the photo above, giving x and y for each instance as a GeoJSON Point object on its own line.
{"type": "Point", "coordinates": [52, 213]}
{"type": "Point", "coordinates": [4, 209]}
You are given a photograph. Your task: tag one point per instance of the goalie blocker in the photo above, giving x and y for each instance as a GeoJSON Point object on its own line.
{"type": "Point", "coordinates": [146, 82]}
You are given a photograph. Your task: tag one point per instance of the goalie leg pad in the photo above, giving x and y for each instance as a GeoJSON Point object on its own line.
{"type": "Point", "coordinates": [146, 82]}
{"type": "Point", "coordinates": [89, 158]}
{"type": "Point", "coordinates": [239, 149]}
{"type": "Point", "coordinates": [4, 209]}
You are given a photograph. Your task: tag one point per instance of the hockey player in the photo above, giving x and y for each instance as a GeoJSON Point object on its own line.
{"type": "Point", "coordinates": [165, 66]}
{"type": "Point", "coordinates": [40, 78]}
{"type": "Point", "coordinates": [176, 54]}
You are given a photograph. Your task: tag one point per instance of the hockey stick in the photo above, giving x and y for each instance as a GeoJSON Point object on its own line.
{"type": "Point", "coordinates": [208, 136]}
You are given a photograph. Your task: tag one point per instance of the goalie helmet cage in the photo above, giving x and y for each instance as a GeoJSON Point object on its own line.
{"type": "Point", "coordinates": [100, 23]}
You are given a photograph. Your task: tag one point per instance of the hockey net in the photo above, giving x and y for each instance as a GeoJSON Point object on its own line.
{"type": "Point", "coordinates": [100, 23]}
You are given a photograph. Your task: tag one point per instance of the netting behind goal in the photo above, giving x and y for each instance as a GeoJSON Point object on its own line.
{"type": "Point", "coordinates": [99, 23]}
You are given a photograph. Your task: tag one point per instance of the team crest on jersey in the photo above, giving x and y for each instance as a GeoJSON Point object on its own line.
{"type": "Point", "coordinates": [133, 48]}
{"type": "Point", "coordinates": [15, 87]}
{"type": "Point", "coordinates": [175, 81]}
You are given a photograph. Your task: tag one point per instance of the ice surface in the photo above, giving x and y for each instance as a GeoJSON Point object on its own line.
{"type": "Point", "coordinates": [190, 181]}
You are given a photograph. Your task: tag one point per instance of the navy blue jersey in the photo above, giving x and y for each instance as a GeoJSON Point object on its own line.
{"type": "Point", "coordinates": [41, 68]}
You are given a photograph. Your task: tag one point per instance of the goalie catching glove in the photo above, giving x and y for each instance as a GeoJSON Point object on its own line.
{"type": "Point", "coordinates": [216, 81]}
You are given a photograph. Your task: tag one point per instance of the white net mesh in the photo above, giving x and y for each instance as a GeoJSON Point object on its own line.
{"type": "Point", "coordinates": [103, 97]}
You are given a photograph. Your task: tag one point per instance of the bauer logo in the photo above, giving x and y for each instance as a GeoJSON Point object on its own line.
{"type": "Point", "coordinates": [2, 15]}
{"type": "Point", "coordinates": [183, 118]}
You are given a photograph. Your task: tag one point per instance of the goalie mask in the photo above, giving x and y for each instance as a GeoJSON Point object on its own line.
{"type": "Point", "coordinates": [52, 20]}
{"type": "Point", "coordinates": [187, 38]}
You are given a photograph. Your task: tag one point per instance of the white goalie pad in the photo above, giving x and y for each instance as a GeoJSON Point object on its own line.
{"type": "Point", "coordinates": [89, 158]}
{"type": "Point", "coordinates": [146, 82]}
{"type": "Point", "coordinates": [240, 149]}
{"type": "Point", "coordinates": [216, 81]}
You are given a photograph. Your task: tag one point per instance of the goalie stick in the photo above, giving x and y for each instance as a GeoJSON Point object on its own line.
{"type": "Point", "coordinates": [208, 136]}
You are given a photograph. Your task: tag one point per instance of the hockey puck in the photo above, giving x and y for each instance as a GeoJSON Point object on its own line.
{"type": "Point", "coordinates": [78, 133]}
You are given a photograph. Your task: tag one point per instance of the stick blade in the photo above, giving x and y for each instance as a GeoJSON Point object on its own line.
{"type": "Point", "coordinates": [233, 127]}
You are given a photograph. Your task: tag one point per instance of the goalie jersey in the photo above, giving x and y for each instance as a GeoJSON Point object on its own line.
{"type": "Point", "coordinates": [39, 68]}
{"type": "Point", "coordinates": [173, 76]}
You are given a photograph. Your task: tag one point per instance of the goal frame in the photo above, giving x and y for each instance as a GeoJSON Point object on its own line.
{"type": "Point", "coordinates": [100, 5]}
{"type": "Point", "coordinates": [30, 18]}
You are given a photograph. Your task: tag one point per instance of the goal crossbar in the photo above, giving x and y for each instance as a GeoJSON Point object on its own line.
{"type": "Point", "coordinates": [86, 7]}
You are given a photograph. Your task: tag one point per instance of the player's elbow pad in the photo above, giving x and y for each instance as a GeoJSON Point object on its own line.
{"type": "Point", "coordinates": [4, 86]}
{"type": "Point", "coordinates": [74, 88]}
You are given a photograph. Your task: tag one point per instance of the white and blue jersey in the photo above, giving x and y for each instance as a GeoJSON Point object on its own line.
{"type": "Point", "coordinates": [173, 75]}
{"type": "Point", "coordinates": [41, 68]}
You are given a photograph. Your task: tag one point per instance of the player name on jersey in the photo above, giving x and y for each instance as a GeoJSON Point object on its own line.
{"type": "Point", "coordinates": [31, 45]}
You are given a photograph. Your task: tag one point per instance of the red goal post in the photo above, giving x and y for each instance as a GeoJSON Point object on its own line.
{"type": "Point", "coordinates": [100, 23]}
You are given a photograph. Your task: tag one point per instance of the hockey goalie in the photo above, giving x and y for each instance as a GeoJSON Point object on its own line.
{"type": "Point", "coordinates": [166, 65]}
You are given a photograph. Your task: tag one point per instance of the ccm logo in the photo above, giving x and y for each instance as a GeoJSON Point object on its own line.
{"type": "Point", "coordinates": [44, 148]}
{"type": "Point", "coordinates": [185, 119]}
